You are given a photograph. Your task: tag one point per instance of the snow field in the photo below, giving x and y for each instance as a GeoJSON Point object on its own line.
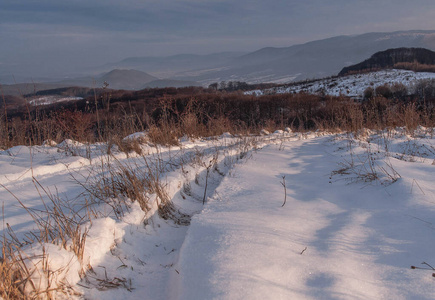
{"type": "Point", "coordinates": [348, 230]}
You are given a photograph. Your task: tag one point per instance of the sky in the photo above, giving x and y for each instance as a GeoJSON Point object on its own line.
{"type": "Point", "coordinates": [53, 35]}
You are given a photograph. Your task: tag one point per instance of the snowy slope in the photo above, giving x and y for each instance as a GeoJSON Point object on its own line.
{"type": "Point", "coordinates": [359, 212]}
{"type": "Point", "coordinates": [331, 240]}
{"type": "Point", "coordinates": [351, 85]}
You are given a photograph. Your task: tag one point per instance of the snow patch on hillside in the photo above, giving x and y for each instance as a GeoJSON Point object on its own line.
{"type": "Point", "coordinates": [47, 100]}
{"type": "Point", "coordinates": [351, 85]}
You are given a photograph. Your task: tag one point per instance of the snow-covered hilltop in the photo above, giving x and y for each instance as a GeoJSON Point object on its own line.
{"type": "Point", "coordinates": [351, 85]}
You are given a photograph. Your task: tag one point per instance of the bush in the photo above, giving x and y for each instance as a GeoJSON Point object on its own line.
{"type": "Point", "coordinates": [369, 93]}
{"type": "Point", "coordinates": [384, 91]}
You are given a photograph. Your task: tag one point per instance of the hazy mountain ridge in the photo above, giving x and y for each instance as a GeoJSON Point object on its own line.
{"type": "Point", "coordinates": [21, 89]}
{"type": "Point", "coordinates": [316, 59]}
{"type": "Point", "coordinates": [168, 66]}
{"type": "Point", "coordinates": [83, 87]}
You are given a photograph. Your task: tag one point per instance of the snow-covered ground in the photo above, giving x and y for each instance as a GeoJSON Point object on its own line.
{"type": "Point", "coordinates": [358, 213]}
{"type": "Point", "coordinates": [351, 85]}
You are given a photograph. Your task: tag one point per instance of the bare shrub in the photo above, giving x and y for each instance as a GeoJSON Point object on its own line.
{"type": "Point", "coordinates": [399, 91]}
{"type": "Point", "coordinates": [425, 89]}
{"type": "Point", "coordinates": [409, 116]}
{"type": "Point", "coordinates": [131, 145]}
{"type": "Point", "coordinates": [163, 135]}
{"type": "Point", "coordinates": [75, 125]}
{"type": "Point", "coordinates": [221, 124]}
{"type": "Point", "coordinates": [369, 93]}
{"type": "Point", "coordinates": [384, 91]}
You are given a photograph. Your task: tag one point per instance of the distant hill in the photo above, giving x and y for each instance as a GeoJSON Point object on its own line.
{"type": "Point", "coordinates": [403, 58]}
{"type": "Point", "coordinates": [126, 79]}
{"type": "Point", "coordinates": [17, 95]}
{"type": "Point", "coordinates": [117, 79]}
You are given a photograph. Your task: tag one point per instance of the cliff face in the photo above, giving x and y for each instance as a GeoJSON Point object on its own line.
{"type": "Point", "coordinates": [392, 58]}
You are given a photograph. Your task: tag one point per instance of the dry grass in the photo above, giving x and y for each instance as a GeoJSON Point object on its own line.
{"type": "Point", "coordinates": [12, 273]}
{"type": "Point", "coordinates": [32, 277]}
{"type": "Point", "coordinates": [370, 166]}
{"type": "Point", "coordinates": [118, 184]}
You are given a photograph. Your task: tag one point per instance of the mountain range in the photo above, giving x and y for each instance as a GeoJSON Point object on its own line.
{"type": "Point", "coordinates": [314, 59]}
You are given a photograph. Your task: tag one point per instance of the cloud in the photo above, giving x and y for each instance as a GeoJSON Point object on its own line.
{"type": "Point", "coordinates": [213, 18]}
{"type": "Point", "coordinates": [82, 31]}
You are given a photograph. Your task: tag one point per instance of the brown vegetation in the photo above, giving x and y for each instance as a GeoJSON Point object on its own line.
{"type": "Point", "coordinates": [415, 66]}
{"type": "Point", "coordinates": [171, 113]}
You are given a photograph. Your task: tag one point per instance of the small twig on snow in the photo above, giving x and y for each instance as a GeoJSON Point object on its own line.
{"type": "Point", "coordinates": [285, 190]}
{"type": "Point", "coordinates": [425, 263]}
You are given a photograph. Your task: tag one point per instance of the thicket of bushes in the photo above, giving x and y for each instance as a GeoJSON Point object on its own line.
{"type": "Point", "coordinates": [171, 113]}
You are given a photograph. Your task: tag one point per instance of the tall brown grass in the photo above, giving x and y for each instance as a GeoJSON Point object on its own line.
{"type": "Point", "coordinates": [59, 224]}
{"type": "Point", "coordinates": [415, 66]}
{"type": "Point", "coordinates": [198, 113]}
